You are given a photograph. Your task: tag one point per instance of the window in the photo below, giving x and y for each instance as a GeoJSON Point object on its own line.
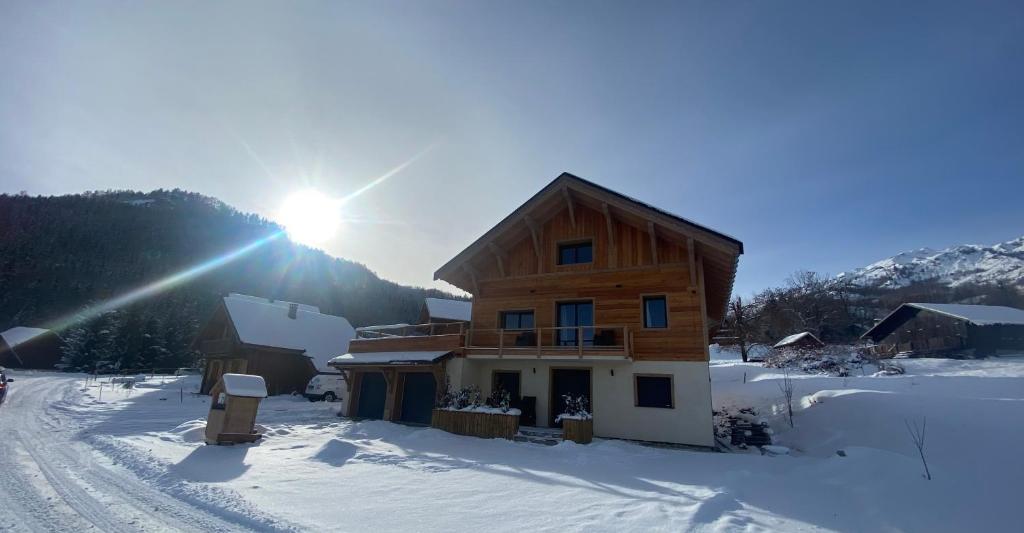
{"type": "Point", "coordinates": [655, 312]}
{"type": "Point", "coordinates": [517, 319]}
{"type": "Point", "coordinates": [575, 253]}
{"type": "Point", "coordinates": [572, 318]}
{"type": "Point", "coordinates": [654, 391]}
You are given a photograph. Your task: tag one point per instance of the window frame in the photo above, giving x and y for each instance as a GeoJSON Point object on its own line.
{"type": "Point", "coordinates": [643, 311]}
{"type": "Point", "coordinates": [574, 243]}
{"type": "Point", "coordinates": [501, 319]}
{"type": "Point", "coordinates": [671, 390]}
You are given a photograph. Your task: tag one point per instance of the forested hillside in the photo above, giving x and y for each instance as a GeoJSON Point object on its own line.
{"type": "Point", "coordinates": [61, 254]}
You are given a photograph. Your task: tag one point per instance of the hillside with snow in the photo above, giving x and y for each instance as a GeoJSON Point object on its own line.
{"type": "Point", "coordinates": [957, 265]}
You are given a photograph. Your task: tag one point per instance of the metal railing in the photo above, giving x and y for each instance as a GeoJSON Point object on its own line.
{"type": "Point", "coordinates": [411, 330]}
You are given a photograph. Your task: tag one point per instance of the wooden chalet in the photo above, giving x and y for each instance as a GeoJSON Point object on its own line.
{"type": "Point", "coordinates": [582, 291]}
{"type": "Point", "coordinates": [22, 347]}
{"type": "Point", "coordinates": [284, 342]}
{"type": "Point", "coordinates": [949, 329]}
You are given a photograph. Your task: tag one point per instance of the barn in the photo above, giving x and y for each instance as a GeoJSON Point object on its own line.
{"type": "Point", "coordinates": [919, 329]}
{"type": "Point", "coordinates": [805, 340]}
{"type": "Point", "coordinates": [286, 343]}
{"type": "Point", "coordinates": [22, 347]}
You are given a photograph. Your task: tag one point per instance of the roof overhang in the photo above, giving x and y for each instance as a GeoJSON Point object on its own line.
{"type": "Point", "coordinates": [388, 358]}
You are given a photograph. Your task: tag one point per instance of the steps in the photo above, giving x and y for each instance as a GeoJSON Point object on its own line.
{"type": "Point", "coordinates": [545, 436]}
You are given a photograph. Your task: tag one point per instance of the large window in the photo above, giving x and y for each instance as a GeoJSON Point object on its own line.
{"type": "Point", "coordinates": [517, 319]}
{"type": "Point", "coordinates": [574, 253]}
{"type": "Point", "coordinates": [655, 312]}
{"type": "Point", "coordinates": [654, 391]}
{"type": "Point", "coordinates": [574, 317]}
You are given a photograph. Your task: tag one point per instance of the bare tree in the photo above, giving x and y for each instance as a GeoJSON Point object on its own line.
{"type": "Point", "coordinates": [917, 433]}
{"type": "Point", "coordinates": [739, 321]}
{"type": "Point", "coordinates": [787, 393]}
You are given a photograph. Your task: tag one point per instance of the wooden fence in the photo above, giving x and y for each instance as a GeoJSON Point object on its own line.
{"type": "Point", "coordinates": [483, 425]}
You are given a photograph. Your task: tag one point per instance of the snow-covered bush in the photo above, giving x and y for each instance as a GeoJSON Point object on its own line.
{"type": "Point", "coordinates": [468, 396]}
{"type": "Point", "coordinates": [500, 399]}
{"type": "Point", "coordinates": [576, 408]}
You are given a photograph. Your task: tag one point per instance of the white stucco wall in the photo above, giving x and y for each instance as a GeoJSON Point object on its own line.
{"type": "Point", "coordinates": [615, 414]}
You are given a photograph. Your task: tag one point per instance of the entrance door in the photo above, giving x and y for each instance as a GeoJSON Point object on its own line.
{"type": "Point", "coordinates": [572, 381]}
{"type": "Point", "coordinates": [373, 391]}
{"type": "Point", "coordinates": [418, 397]}
{"type": "Point", "coordinates": [571, 315]}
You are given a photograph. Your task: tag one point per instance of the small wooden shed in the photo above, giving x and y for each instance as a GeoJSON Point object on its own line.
{"type": "Point", "coordinates": [235, 401]}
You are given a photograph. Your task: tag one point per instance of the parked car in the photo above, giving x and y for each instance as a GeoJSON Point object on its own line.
{"type": "Point", "coordinates": [4, 380]}
{"type": "Point", "coordinates": [325, 387]}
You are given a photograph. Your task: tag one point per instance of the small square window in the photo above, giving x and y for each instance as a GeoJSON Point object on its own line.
{"type": "Point", "coordinates": [655, 312]}
{"type": "Point", "coordinates": [575, 253]}
{"type": "Point", "coordinates": [654, 391]}
{"type": "Point", "coordinates": [517, 319]}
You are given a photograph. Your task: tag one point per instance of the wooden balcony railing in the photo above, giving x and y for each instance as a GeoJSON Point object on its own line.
{"type": "Point", "coordinates": [557, 341]}
{"type": "Point", "coordinates": [571, 341]}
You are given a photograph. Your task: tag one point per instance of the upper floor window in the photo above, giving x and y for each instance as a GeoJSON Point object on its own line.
{"type": "Point", "coordinates": [576, 252]}
{"type": "Point", "coordinates": [655, 312]}
{"type": "Point", "coordinates": [517, 319]}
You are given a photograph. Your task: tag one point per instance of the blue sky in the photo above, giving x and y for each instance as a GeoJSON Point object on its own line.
{"type": "Point", "coordinates": [825, 135]}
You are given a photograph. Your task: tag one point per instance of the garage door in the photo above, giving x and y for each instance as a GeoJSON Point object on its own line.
{"type": "Point", "coordinates": [372, 393]}
{"type": "Point", "coordinates": [418, 397]}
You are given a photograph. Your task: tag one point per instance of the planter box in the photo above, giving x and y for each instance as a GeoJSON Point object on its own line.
{"type": "Point", "coordinates": [581, 431]}
{"type": "Point", "coordinates": [473, 424]}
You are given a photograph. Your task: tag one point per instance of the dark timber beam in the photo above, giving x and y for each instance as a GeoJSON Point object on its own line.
{"type": "Point", "coordinates": [691, 256]}
{"type": "Point", "coordinates": [610, 224]}
{"type": "Point", "coordinates": [572, 208]}
{"type": "Point", "coordinates": [535, 233]}
{"type": "Point", "coordinates": [499, 256]}
{"type": "Point", "coordinates": [654, 241]}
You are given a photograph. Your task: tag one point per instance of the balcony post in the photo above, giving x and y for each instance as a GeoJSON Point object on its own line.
{"type": "Point", "coordinates": [501, 343]}
{"type": "Point", "coordinates": [540, 338]}
{"type": "Point", "coordinates": [579, 340]}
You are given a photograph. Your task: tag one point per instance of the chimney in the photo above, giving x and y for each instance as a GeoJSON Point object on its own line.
{"type": "Point", "coordinates": [293, 310]}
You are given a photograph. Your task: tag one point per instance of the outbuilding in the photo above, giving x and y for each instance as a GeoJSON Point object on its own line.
{"type": "Point", "coordinates": [236, 400]}
{"type": "Point", "coordinates": [805, 340]}
{"type": "Point", "coordinates": [949, 329]}
{"type": "Point", "coordinates": [22, 347]}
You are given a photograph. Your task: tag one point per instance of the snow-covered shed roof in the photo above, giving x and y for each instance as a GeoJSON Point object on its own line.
{"type": "Point", "coordinates": [262, 322]}
{"type": "Point", "coordinates": [245, 385]}
{"type": "Point", "coordinates": [388, 358]}
{"type": "Point", "coordinates": [979, 315]}
{"type": "Point", "coordinates": [20, 334]}
{"type": "Point", "coordinates": [449, 309]}
{"type": "Point", "coordinates": [795, 338]}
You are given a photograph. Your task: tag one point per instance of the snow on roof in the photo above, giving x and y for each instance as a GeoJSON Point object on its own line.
{"type": "Point", "coordinates": [449, 309]}
{"type": "Point", "coordinates": [263, 323]}
{"type": "Point", "coordinates": [383, 326]}
{"type": "Point", "coordinates": [980, 315]}
{"type": "Point", "coordinates": [18, 335]}
{"type": "Point", "coordinates": [245, 385]}
{"type": "Point", "coordinates": [388, 358]}
{"type": "Point", "coordinates": [794, 338]}
{"type": "Point", "coordinates": [279, 303]}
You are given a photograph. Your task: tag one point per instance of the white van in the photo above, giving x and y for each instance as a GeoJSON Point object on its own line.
{"type": "Point", "coordinates": [325, 387]}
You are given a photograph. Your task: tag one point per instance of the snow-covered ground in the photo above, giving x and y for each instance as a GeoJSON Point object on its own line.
{"type": "Point", "coordinates": [315, 471]}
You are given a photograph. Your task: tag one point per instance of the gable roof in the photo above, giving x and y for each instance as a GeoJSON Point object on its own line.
{"type": "Point", "coordinates": [449, 309]}
{"type": "Point", "coordinates": [262, 322]}
{"type": "Point", "coordinates": [720, 251]}
{"type": "Point", "coordinates": [979, 315]}
{"type": "Point", "coordinates": [19, 335]}
{"type": "Point", "coordinates": [795, 338]}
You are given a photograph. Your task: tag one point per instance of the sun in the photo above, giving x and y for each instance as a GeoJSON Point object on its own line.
{"type": "Point", "coordinates": [310, 217]}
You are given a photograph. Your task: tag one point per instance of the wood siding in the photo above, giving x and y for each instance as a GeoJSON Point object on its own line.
{"type": "Point", "coordinates": [622, 272]}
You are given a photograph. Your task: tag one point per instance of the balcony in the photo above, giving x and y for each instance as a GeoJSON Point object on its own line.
{"type": "Point", "coordinates": [576, 342]}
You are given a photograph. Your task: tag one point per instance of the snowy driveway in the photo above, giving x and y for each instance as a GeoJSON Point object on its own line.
{"type": "Point", "coordinates": [52, 480]}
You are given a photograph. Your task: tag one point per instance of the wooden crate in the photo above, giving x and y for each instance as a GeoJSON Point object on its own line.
{"type": "Point", "coordinates": [483, 425]}
{"type": "Point", "coordinates": [580, 431]}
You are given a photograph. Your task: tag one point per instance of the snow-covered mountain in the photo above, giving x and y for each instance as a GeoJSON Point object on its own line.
{"type": "Point", "coordinates": [967, 263]}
